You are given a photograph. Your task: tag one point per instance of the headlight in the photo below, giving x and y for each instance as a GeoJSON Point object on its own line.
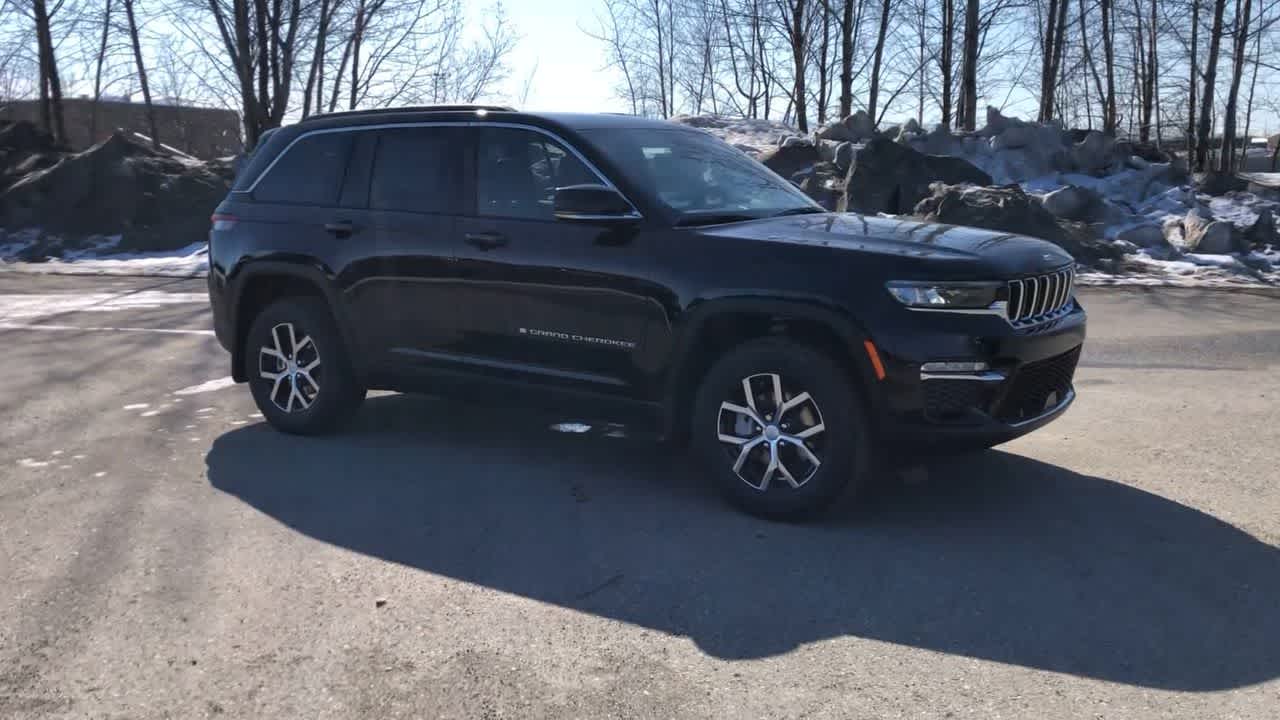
{"type": "Point", "coordinates": [943, 295]}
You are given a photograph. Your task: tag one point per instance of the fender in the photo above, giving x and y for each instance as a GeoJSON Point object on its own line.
{"type": "Point", "coordinates": [299, 267]}
{"type": "Point", "coordinates": [691, 326]}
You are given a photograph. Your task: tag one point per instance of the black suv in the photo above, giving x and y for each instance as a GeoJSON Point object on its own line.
{"type": "Point", "coordinates": [643, 264]}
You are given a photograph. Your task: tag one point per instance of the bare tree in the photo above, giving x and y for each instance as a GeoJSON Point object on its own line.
{"type": "Point", "coordinates": [314, 91]}
{"type": "Point", "coordinates": [1051, 44]}
{"type": "Point", "coordinates": [945, 65]}
{"type": "Point", "coordinates": [969, 79]}
{"type": "Point", "coordinates": [873, 95]}
{"type": "Point", "coordinates": [1226, 160]}
{"type": "Point", "coordinates": [1193, 80]}
{"type": "Point", "coordinates": [142, 73]}
{"type": "Point", "coordinates": [1087, 54]}
{"type": "Point", "coordinates": [796, 29]}
{"type": "Point", "coordinates": [49, 80]}
{"type": "Point", "coordinates": [259, 47]}
{"type": "Point", "coordinates": [100, 60]}
{"type": "Point", "coordinates": [1210, 83]}
{"type": "Point", "coordinates": [1109, 60]}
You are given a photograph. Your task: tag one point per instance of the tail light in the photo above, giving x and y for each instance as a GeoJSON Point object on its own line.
{"type": "Point", "coordinates": [222, 222]}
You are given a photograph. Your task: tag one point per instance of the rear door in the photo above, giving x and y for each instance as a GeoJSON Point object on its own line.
{"type": "Point", "coordinates": [402, 302]}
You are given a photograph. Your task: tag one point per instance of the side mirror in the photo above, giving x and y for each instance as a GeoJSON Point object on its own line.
{"type": "Point", "coordinates": [592, 203]}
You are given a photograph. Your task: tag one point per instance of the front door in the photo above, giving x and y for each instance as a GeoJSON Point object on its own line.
{"type": "Point", "coordinates": [549, 301]}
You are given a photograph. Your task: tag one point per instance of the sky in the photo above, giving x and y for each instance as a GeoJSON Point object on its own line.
{"type": "Point", "coordinates": [568, 66]}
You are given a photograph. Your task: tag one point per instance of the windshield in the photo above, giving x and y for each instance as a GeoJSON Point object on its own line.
{"type": "Point", "coordinates": [698, 176]}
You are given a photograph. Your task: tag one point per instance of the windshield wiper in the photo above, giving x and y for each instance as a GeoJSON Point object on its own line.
{"type": "Point", "coordinates": [713, 218]}
{"type": "Point", "coordinates": [805, 210]}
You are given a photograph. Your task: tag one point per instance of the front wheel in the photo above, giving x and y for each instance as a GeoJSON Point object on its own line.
{"type": "Point", "coordinates": [780, 427]}
{"type": "Point", "coordinates": [298, 371]}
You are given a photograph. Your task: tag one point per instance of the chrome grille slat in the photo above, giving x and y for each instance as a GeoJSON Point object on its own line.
{"type": "Point", "coordinates": [1041, 297]}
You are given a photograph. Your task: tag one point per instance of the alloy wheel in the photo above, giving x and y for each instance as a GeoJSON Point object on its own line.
{"type": "Point", "coordinates": [291, 364]}
{"type": "Point", "coordinates": [771, 433]}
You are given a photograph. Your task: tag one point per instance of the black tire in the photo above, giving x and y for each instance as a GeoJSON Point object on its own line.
{"type": "Point", "coordinates": [842, 446]}
{"type": "Point", "coordinates": [320, 406]}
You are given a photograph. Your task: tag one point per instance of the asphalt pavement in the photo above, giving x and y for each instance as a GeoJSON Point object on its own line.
{"type": "Point", "coordinates": [164, 554]}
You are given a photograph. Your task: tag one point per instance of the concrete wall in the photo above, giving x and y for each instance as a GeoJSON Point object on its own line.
{"type": "Point", "coordinates": [202, 132]}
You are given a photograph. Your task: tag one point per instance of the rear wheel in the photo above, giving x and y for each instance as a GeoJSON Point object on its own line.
{"type": "Point", "coordinates": [780, 427]}
{"type": "Point", "coordinates": [298, 371]}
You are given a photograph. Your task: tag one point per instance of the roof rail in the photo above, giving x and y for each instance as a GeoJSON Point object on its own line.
{"type": "Point", "coordinates": [407, 109]}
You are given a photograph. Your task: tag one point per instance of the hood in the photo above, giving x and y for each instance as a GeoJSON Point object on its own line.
{"type": "Point", "coordinates": [1003, 254]}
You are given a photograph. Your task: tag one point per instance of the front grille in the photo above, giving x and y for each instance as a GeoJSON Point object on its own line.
{"type": "Point", "coordinates": [1035, 384]}
{"type": "Point", "coordinates": [1040, 297]}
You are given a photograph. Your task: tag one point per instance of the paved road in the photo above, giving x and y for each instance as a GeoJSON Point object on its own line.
{"type": "Point", "coordinates": [163, 554]}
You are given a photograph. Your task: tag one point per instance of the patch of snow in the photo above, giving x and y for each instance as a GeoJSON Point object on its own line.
{"type": "Point", "coordinates": [190, 261]}
{"type": "Point", "coordinates": [205, 387]}
{"type": "Point", "coordinates": [571, 427]}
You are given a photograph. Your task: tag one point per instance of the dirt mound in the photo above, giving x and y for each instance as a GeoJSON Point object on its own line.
{"type": "Point", "coordinates": [154, 200]}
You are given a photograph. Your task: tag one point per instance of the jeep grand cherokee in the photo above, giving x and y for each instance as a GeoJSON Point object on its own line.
{"type": "Point", "coordinates": [639, 263]}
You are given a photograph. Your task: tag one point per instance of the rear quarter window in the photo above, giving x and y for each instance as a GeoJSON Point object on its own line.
{"type": "Point", "coordinates": [309, 173]}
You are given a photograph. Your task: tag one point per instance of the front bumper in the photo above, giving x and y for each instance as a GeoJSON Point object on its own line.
{"type": "Point", "coordinates": [1027, 383]}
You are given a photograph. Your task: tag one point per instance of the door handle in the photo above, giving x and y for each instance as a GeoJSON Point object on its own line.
{"type": "Point", "coordinates": [341, 228]}
{"type": "Point", "coordinates": [487, 240]}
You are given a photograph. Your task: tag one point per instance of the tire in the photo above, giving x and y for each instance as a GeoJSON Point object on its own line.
{"type": "Point", "coordinates": [720, 435]}
{"type": "Point", "coordinates": [311, 401]}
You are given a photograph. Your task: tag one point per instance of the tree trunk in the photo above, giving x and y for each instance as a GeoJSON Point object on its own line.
{"type": "Point", "coordinates": [1109, 60]}
{"type": "Point", "coordinates": [1055, 68]}
{"type": "Point", "coordinates": [1253, 86]}
{"type": "Point", "coordinates": [1193, 80]}
{"type": "Point", "coordinates": [1226, 161]}
{"type": "Point", "coordinates": [50, 84]}
{"type": "Point", "coordinates": [1088, 58]}
{"type": "Point", "coordinates": [1210, 83]}
{"type": "Point", "coordinates": [1153, 75]}
{"type": "Point", "coordinates": [823, 64]}
{"type": "Point", "coordinates": [315, 74]}
{"type": "Point", "coordinates": [142, 74]}
{"type": "Point", "coordinates": [798, 47]}
{"type": "Point", "coordinates": [846, 59]}
{"type": "Point", "coordinates": [1047, 76]}
{"type": "Point", "coordinates": [944, 57]}
{"type": "Point", "coordinates": [969, 81]}
{"type": "Point", "coordinates": [873, 95]}
{"type": "Point", "coordinates": [920, 73]}
{"type": "Point", "coordinates": [97, 74]}
{"type": "Point", "coordinates": [1142, 79]}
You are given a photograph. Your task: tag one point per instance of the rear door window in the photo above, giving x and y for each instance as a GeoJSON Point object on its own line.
{"type": "Point", "coordinates": [309, 173]}
{"type": "Point", "coordinates": [417, 169]}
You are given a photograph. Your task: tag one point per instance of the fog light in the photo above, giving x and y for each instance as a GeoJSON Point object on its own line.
{"type": "Point", "coordinates": [954, 367]}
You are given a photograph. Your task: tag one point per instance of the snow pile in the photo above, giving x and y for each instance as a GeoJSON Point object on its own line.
{"type": "Point", "coordinates": [1131, 196]}
{"type": "Point", "coordinates": [750, 135]}
{"type": "Point", "coordinates": [96, 256]}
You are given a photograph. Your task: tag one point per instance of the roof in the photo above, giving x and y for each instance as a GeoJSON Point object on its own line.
{"type": "Point", "coordinates": [467, 113]}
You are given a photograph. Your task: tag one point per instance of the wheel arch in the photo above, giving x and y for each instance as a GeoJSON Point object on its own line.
{"type": "Point", "coordinates": [257, 285]}
{"type": "Point", "coordinates": [715, 327]}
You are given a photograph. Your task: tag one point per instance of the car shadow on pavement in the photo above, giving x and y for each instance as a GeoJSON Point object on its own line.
{"type": "Point", "coordinates": [998, 556]}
